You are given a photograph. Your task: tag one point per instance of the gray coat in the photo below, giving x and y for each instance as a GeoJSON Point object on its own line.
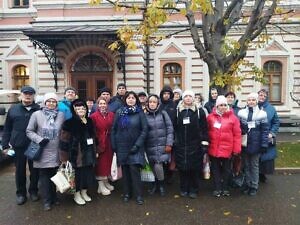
{"type": "Point", "coordinates": [160, 134]}
{"type": "Point", "coordinates": [34, 131]}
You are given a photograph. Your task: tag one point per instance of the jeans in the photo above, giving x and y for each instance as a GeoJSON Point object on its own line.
{"type": "Point", "coordinates": [251, 162]}
{"type": "Point", "coordinates": [48, 189]}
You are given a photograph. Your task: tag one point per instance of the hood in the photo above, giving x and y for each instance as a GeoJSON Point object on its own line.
{"type": "Point", "coordinates": [166, 89]}
{"type": "Point", "coordinates": [147, 105]}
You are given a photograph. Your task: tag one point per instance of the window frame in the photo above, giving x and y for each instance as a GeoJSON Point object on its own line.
{"type": "Point", "coordinates": [18, 77]}
{"type": "Point", "coordinates": [172, 74]}
{"type": "Point", "coordinates": [21, 4]}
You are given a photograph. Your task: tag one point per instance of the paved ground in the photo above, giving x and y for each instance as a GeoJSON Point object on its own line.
{"type": "Point", "coordinates": [277, 203]}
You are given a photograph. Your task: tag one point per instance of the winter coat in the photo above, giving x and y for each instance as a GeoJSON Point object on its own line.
{"type": "Point", "coordinates": [224, 134]}
{"type": "Point", "coordinates": [258, 135]}
{"type": "Point", "coordinates": [123, 139]}
{"type": "Point", "coordinates": [35, 130]}
{"type": "Point", "coordinates": [74, 141]}
{"type": "Point", "coordinates": [64, 106]}
{"type": "Point", "coordinates": [274, 124]}
{"type": "Point", "coordinates": [189, 137]}
{"type": "Point", "coordinates": [160, 134]}
{"type": "Point", "coordinates": [169, 106]}
{"type": "Point", "coordinates": [103, 125]}
{"type": "Point", "coordinates": [15, 126]}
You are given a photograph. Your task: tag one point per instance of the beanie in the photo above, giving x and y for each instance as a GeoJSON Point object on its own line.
{"type": "Point", "coordinates": [50, 95]}
{"type": "Point", "coordinates": [178, 90]}
{"type": "Point", "coordinates": [253, 95]}
{"type": "Point", "coordinates": [221, 100]}
{"type": "Point", "coordinates": [188, 92]}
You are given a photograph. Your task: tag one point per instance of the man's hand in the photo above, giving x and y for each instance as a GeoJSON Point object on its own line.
{"type": "Point", "coordinates": [168, 149]}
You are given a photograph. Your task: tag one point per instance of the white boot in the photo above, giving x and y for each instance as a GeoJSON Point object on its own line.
{"type": "Point", "coordinates": [102, 189]}
{"type": "Point", "coordinates": [85, 196]}
{"type": "Point", "coordinates": [78, 199]}
{"type": "Point", "coordinates": [108, 185]}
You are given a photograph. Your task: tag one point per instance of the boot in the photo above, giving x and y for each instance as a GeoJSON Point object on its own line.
{"type": "Point", "coordinates": [78, 199]}
{"type": "Point", "coordinates": [108, 185]}
{"type": "Point", "coordinates": [85, 196]}
{"type": "Point", "coordinates": [102, 189]}
{"type": "Point", "coordinates": [162, 189]}
{"type": "Point", "coordinates": [153, 188]}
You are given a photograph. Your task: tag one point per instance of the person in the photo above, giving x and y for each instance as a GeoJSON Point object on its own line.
{"type": "Point", "coordinates": [90, 102]}
{"type": "Point", "coordinates": [199, 102]}
{"type": "Point", "coordinates": [43, 128]}
{"type": "Point", "coordinates": [103, 120]}
{"type": "Point", "coordinates": [65, 103]}
{"type": "Point", "coordinates": [232, 102]}
{"type": "Point", "coordinates": [225, 141]}
{"type": "Point", "coordinates": [128, 136]}
{"type": "Point", "coordinates": [267, 159]}
{"type": "Point", "coordinates": [212, 100]}
{"type": "Point", "coordinates": [14, 134]}
{"type": "Point", "coordinates": [254, 124]}
{"type": "Point", "coordinates": [159, 142]}
{"type": "Point", "coordinates": [119, 97]}
{"type": "Point", "coordinates": [143, 100]}
{"type": "Point", "coordinates": [78, 146]}
{"type": "Point", "coordinates": [191, 141]}
{"type": "Point", "coordinates": [177, 95]}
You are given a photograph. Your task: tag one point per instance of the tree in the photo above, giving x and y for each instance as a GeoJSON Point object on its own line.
{"type": "Point", "coordinates": [223, 54]}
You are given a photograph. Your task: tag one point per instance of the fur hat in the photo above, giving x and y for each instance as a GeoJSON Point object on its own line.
{"type": "Point", "coordinates": [50, 95]}
{"type": "Point", "coordinates": [221, 100]}
{"type": "Point", "coordinates": [188, 92]}
{"type": "Point", "coordinates": [253, 95]}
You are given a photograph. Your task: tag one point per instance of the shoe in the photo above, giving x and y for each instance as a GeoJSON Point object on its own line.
{"type": "Point", "coordinates": [153, 188]}
{"type": "Point", "coordinates": [78, 198]}
{"type": "Point", "coordinates": [192, 195]}
{"type": "Point", "coordinates": [34, 197]}
{"type": "Point", "coordinates": [55, 202]}
{"type": "Point", "coordinates": [102, 188]}
{"type": "Point", "coordinates": [108, 185]}
{"type": "Point", "coordinates": [225, 193]}
{"type": "Point", "coordinates": [162, 190]}
{"type": "Point", "coordinates": [217, 193]}
{"type": "Point", "coordinates": [183, 194]}
{"type": "Point", "coordinates": [245, 190]}
{"type": "Point", "coordinates": [21, 200]}
{"type": "Point", "coordinates": [47, 206]}
{"type": "Point", "coordinates": [126, 198]}
{"type": "Point", "coordinates": [252, 192]}
{"type": "Point", "coordinates": [262, 178]}
{"type": "Point", "coordinates": [85, 196]}
{"type": "Point", "coordinates": [139, 200]}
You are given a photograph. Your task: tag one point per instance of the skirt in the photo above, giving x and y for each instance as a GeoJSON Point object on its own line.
{"type": "Point", "coordinates": [84, 177]}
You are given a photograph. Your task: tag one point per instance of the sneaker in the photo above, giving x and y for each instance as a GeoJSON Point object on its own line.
{"type": "Point", "coordinates": [47, 206]}
{"type": "Point", "coordinates": [139, 200]}
{"type": "Point", "coordinates": [34, 197]}
{"type": "Point", "coordinates": [192, 195]}
{"type": "Point", "coordinates": [183, 194]}
{"type": "Point", "coordinates": [245, 190]}
{"type": "Point", "coordinates": [21, 199]}
{"type": "Point", "coordinates": [126, 198]}
{"type": "Point", "coordinates": [225, 193]}
{"type": "Point", "coordinates": [252, 192]}
{"type": "Point", "coordinates": [217, 193]}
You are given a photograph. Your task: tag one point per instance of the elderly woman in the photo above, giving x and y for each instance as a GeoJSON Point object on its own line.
{"type": "Point", "coordinates": [43, 128]}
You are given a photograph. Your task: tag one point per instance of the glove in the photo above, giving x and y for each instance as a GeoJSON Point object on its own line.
{"type": "Point", "coordinates": [44, 142]}
{"type": "Point", "coordinates": [263, 149]}
{"type": "Point", "coordinates": [133, 150]}
{"type": "Point", "coordinates": [168, 149]}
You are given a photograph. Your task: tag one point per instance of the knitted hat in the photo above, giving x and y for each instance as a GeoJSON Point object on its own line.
{"type": "Point", "coordinates": [188, 92]}
{"type": "Point", "coordinates": [70, 88]}
{"type": "Point", "coordinates": [105, 89]}
{"type": "Point", "coordinates": [221, 100]}
{"type": "Point", "coordinates": [50, 95]}
{"type": "Point", "coordinates": [178, 90]}
{"type": "Point", "coordinates": [253, 95]}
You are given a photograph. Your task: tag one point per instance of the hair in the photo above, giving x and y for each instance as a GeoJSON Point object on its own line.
{"type": "Point", "coordinates": [121, 85]}
{"type": "Point", "coordinates": [264, 91]}
{"type": "Point", "coordinates": [214, 89]}
{"type": "Point", "coordinates": [134, 94]}
{"type": "Point", "coordinates": [70, 88]}
{"type": "Point", "coordinates": [79, 103]}
{"type": "Point", "coordinates": [230, 93]}
{"type": "Point", "coordinates": [90, 99]}
{"type": "Point", "coordinates": [101, 98]}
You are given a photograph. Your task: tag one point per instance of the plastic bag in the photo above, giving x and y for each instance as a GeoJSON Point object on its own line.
{"type": "Point", "coordinates": [206, 167]}
{"type": "Point", "coordinates": [146, 173]}
{"type": "Point", "coordinates": [115, 170]}
{"type": "Point", "coordinates": [64, 179]}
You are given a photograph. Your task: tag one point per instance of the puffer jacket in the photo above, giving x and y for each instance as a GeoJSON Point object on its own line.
{"type": "Point", "coordinates": [257, 136]}
{"type": "Point", "coordinates": [64, 106]}
{"type": "Point", "coordinates": [189, 137]}
{"type": "Point", "coordinates": [224, 134]}
{"type": "Point", "coordinates": [160, 134]}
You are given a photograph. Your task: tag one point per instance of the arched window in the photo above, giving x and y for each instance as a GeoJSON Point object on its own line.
{"type": "Point", "coordinates": [20, 76]}
{"type": "Point", "coordinates": [172, 75]}
{"type": "Point", "coordinates": [273, 76]}
{"type": "Point", "coordinates": [91, 63]}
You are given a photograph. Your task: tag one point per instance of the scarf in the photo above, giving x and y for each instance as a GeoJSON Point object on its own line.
{"type": "Point", "coordinates": [50, 131]}
{"type": "Point", "coordinates": [124, 115]}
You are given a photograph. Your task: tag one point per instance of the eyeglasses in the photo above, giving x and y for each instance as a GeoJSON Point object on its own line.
{"type": "Point", "coordinates": [222, 105]}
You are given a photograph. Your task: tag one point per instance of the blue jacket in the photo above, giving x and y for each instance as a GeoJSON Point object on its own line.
{"type": "Point", "coordinates": [258, 135]}
{"type": "Point", "coordinates": [64, 106]}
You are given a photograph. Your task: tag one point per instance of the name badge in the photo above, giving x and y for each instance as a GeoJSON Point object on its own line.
{"type": "Point", "coordinates": [251, 124]}
{"type": "Point", "coordinates": [89, 141]}
{"type": "Point", "coordinates": [217, 125]}
{"type": "Point", "coordinates": [186, 120]}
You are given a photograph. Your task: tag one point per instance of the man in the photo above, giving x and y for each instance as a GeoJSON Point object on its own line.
{"type": "Point", "coordinates": [118, 98]}
{"type": "Point", "coordinates": [143, 99]}
{"type": "Point", "coordinates": [90, 103]}
{"type": "Point", "coordinates": [14, 134]}
{"type": "Point", "coordinates": [64, 105]}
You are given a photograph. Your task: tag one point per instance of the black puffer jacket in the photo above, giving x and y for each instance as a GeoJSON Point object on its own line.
{"type": "Point", "coordinates": [190, 135]}
{"type": "Point", "coordinates": [14, 131]}
{"type": "Point", "coordinates": [169, 106]}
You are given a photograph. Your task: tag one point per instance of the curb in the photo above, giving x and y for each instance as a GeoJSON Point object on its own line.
{"type": "Point", "coordinates": [284, 170]}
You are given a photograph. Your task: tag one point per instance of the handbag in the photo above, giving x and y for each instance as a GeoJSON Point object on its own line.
{"type": "Point", "coordinates": [34, 151]}
{"type": "Point", "coordinates": [64, 179]}
{"type": "Point", "coordinates": [244, 140]}
{"type": "Point", "coordinates": [236, 164]}
{"type": "Point", "coordinates": [146, 172]}
{"type": "Point", "coordinates": [115, 170]}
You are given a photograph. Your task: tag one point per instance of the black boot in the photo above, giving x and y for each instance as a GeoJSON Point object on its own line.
{"type": "Point", "coordinates": [153, 188]}
{"type": "Point", "coordinates": [162, 189]}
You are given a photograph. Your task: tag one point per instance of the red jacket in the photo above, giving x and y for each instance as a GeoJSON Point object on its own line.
{"type": "Point", "coordinates": [224, 134]}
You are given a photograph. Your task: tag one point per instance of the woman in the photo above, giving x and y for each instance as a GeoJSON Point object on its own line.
{"type": "Point", "coordinates": [43, 128]}
{"type": "Point", "coordinates": [254, 124]}
{"type": "Point", "coordinates": [128, 138]}
{"type": "Point", "coordinates": [103, 120]}
{"type": "Point", "coordinates": [78, 146]}
{"type": "Point", "coordinates": [191, 141]}
{"type": "Point", "coordinates": [159, 141]}
{"type": "Point", "coordinates": [212, 100]}
{"type": "Point", "coordinates": [225, 141]}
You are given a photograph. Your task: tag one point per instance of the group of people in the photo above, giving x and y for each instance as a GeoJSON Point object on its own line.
{"type": "Point", "coordinates": [170, 131]}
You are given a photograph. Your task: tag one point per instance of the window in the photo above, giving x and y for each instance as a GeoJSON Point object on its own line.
{"type": "Point", "coordinates": [20, 77]}
{"type": "Point", "coordinates": [273, 76]}
{"type": "Point", "coordinates": [91, 63]}
{"type": "Point", "coordinates": [172, 75]}
{"type": "Point", "coordinates": [20, 3]}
